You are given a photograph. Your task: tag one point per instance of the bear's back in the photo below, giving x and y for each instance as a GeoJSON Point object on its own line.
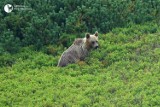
{"type": "Point", "coordinates": [78, 41]}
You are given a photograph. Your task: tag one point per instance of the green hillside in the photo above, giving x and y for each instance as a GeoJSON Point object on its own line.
{"type": "Point", "coordinates": [123, 72]}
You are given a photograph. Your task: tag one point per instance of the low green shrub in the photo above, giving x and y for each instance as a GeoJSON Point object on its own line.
{"type": "Point", "coordinates": [124, 71]}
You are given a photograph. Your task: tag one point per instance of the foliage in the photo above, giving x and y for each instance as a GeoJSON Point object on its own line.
{"type": "Point", "coordinates": [46, 21]}
{"type": "Point", "coordinates": [124, 71]}
{"type": "Point", "coordinates": [9, 43]}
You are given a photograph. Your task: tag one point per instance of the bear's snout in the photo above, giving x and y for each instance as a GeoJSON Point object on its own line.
{"type": "Point", "coordinates": [96, 47]}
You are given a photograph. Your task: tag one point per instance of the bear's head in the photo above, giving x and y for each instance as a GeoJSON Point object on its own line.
{"type": "Point", "coordinates": [92, 40]}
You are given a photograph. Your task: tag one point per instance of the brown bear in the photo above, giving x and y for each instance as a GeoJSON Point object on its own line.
{"type": "Point", "coordinates": [79, 49]}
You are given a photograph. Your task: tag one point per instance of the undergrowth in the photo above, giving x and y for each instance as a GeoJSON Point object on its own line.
{"type": "Point", "coordinates": [123, 72]}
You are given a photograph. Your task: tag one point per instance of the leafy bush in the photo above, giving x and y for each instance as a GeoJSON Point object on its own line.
{"type": "Point", "coordinates": [48, 21]}
{"type": "Point", "coordinates": [40, 32]}
{"type": "Point", "coordinates": [9, 43]}
{"type": "Point", "coordinates": [124, 71]}
{"type": "Point", "coordinates": [7, 60]}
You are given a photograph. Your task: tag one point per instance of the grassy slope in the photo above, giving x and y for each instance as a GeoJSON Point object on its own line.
{"type": "Point", "coordinates": [125, 71]}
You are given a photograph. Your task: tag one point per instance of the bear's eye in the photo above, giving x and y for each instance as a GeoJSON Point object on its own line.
{"type": "Point", "coordinates": [92, 42]}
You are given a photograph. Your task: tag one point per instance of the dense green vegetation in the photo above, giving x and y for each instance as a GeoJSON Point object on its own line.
{"type": "Point", "coordinates": [124, 71]}
{"type": "Point", "coordinates": [52, 21]}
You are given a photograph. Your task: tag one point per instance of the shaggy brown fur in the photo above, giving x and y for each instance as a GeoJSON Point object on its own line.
{"type": "Point", "coordinates": [78, 41]}
{"type": "Point", "coordinates": [79, 49]}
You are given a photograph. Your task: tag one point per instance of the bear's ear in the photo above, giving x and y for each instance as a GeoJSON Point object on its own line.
{"type": "Point", "coordinates": [96, 33]}
{"type": "Point", "coordinates": [87, 35]}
